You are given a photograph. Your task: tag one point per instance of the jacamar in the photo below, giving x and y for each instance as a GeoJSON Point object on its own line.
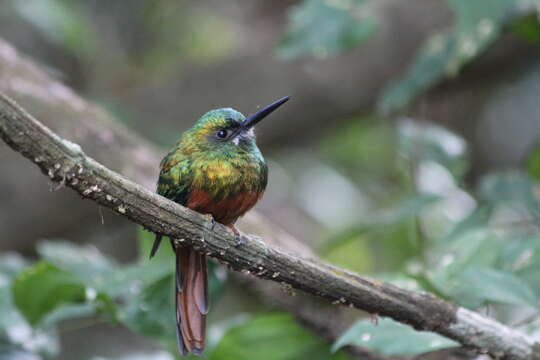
{"type": "Point", "coordinates": [217, 169]}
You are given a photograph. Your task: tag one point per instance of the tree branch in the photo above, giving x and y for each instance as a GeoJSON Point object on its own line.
{"type": "Point", "coordinates": [116, 147]}
{"type": "Point", "coordinates": [65, 162]}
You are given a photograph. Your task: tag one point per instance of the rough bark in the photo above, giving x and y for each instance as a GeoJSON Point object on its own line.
{"type": "Point", "coordinates": [64, 162]}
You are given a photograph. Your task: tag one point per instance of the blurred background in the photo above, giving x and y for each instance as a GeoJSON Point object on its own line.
{"type": "Point", "coordinates": [409, 152]}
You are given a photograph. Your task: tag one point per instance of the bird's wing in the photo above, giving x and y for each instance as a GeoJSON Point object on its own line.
{"type": "Point", "coordinates": [175, 178]}
{"type": "Point", "coordinates": [174, 183]}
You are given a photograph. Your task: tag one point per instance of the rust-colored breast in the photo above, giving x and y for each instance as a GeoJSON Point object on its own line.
{"type": "Point", "coordinates": [224, 211]}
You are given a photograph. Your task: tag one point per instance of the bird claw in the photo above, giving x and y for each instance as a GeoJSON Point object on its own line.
{"type": "Point", "coordinates": [238, 239]}
{"type": "Point", "coordinates": [212, 221]}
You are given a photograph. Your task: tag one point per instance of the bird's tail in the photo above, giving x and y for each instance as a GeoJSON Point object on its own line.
{"type": "Point", "coordinates": [191, 299]}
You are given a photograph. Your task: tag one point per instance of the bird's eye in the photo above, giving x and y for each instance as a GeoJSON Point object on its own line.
{"type": "Point", "coordinates": [222, 134]}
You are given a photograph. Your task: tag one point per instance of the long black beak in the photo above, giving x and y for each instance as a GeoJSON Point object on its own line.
{"type": "Point", "coordinates": [254, 118]}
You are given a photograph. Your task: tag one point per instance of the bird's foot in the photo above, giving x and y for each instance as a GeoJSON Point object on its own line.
{"type": "Point", "coordinates": [212, 221]}
{"type": "Point", "coordinates": [238, 239]}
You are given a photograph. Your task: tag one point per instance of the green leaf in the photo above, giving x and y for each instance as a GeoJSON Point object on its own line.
{"type": "Point", "coordinates": [42, 288]}
{"type": "Point", "coordinates": [494, 286]}
{"type": "Point", "coordinates": [390, 337]}
{"type": "Point", "coordinates": [322, 28]}
{"type": "Point", "coordinates": [478, 248]}
{"type": "Point", "coordinates": [271, 337]}
{"type": "Point", "coordinates": [528, 28]}
{"type": "Point", "coordinates": [84, 260]}
{"type": "Point", "coordinates": [428, 142]}
{"type": "Point", "coordinates": [509, 188]}
{"type": "Point", "coordinates": [522, 257]}
{"type": "Point", "coordinates": [477, 25]}
{"type": "Point", "coordinates": [477, 220]}
{"type": "Point", "coordinates": [151, 312]}
{"type": "Point", "coordinates": [17, 338]}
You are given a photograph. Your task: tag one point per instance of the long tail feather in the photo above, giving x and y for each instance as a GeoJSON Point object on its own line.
{"type": "Point", "coordinates": [191, 299]}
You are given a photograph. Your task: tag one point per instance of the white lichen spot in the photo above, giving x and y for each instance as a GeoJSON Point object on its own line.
{"type": "Point", "coordinates": [468, 47]}
{"type": "Point", "coordinates": [57, 166]}
{"type": "Point", "coordinates": [485, 28]}
{"type": "Point", "coordinates": [38, 159]}
{"type": "Point", "coordinates": [73, 148]}
{"type": "Point", "coordinates": [366, 337]}
{"type": "Point", "coordinates": [87, 191]}
{"type": "Point", "coordinates": [109, 198]}
{"type": "Point", "coordinates": [122, 209]}
{"type": "Point", "coordinates": [50, 173]}
{"type": "Point", "coordinates": [275, 275]}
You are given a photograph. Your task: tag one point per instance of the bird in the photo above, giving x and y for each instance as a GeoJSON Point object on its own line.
{"type": "Point", "coordinates": [216, 169]}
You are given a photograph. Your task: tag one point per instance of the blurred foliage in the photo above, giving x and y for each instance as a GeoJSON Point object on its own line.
{"type": "Point", "coordinates": [322, 28]}
{"type": "Point", "coordinates": [392, 338]}
{"type": "Point", "coordinates": [63, 22]}
{"type": "Point", "coordinates": [78, 281]}
{"type": "Point", "coordinates": [273, 337]}
{"type": "Point", "coordinates": [528, 28]}
{"type": "Point", "coordinates": [423, 228]}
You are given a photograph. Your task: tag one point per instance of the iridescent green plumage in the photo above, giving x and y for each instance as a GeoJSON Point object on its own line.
{"type": "Point", "coordinates": [215, 168]}
{"type": "Point", "coordinates": [219, 168]}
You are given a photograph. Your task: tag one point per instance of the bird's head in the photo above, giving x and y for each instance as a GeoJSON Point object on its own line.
{"type": "Point", "coordinates": [226, 130]}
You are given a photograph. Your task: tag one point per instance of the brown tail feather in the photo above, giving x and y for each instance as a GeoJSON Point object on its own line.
{"type": "Point", "coordinates": [191, 299]}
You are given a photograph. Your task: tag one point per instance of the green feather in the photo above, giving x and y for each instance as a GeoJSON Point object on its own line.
{"type": "Point", "coordinates": [220, 168]}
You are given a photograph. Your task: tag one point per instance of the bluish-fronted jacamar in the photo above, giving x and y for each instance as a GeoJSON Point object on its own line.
{"type": "Point", "coordinates": [215, 168]}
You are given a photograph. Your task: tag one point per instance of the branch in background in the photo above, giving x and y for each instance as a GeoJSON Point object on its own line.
{"type": "Point", "coordinates": [65, 162]}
